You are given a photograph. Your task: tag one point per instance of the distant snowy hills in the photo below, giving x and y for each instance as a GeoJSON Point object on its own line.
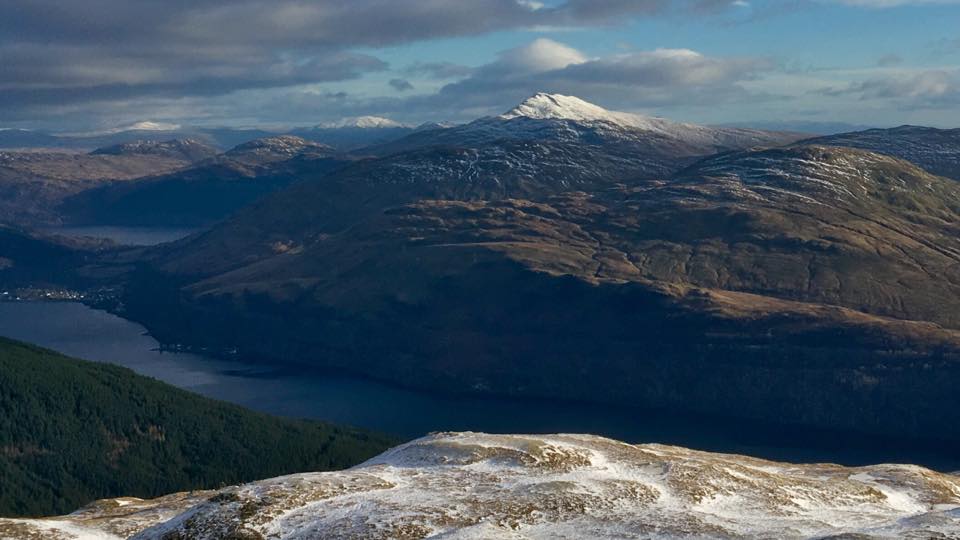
{"type": "Point", "coordinates": [554, 116]}
{"type": "Point", "coordinates": [355, 133]}
{"type": "Point", "coordinates": [345, 134]}
{"type": "Point", "coordinates": [363, 122]}
{"type": "Point", "coordinates": [207, 191]}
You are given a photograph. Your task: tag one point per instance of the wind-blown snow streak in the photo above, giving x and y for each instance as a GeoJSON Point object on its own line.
{"type": "Point", "coordinates": [471, 486]}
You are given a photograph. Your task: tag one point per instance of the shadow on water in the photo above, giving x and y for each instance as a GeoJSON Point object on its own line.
{"type": "Point", "coordinates": [83, 332]}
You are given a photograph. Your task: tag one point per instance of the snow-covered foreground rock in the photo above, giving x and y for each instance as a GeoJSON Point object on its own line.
{"type": "Point", "coordinates": [471, 485]}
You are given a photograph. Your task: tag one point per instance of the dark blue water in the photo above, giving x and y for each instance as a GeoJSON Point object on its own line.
{"type": "Point", "coordinates": [130, 236]}
{"type": "Point", "coordinates": [82, 332]}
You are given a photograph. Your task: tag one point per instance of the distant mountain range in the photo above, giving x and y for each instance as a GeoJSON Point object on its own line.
{"type": "Point", "coordinates": [152, 183]}
{"type": "Point", "coordinates": [561, 250]}
{"type": "Point", "coordinates": [547, 145]}
{"type": "Point", "coordinates": [18, 139]}
{"type": "Point", "coordinates": [812, 127]}
{"type": "Point", "coordinates": [44, 171]}
{"type": "Point", "coordinates": [34, 184]}
{"type": "Point", "coordinates": [207, 192]}
{"type": "Point", "coordinates": [345, 135]}
{"type": "Point", "coordinates": [23, 138]}
{"type": "Point", "coordinates": [568, 119]}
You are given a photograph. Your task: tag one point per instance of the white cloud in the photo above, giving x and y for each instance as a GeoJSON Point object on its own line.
{"type": "Point", "coordinates": [925, 87]}
{"type": "Point", "coordinates": [541, 55]}
{"type": "Point", "coordinates": [637, 79]}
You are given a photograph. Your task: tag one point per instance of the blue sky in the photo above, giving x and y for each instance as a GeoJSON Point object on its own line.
{"type": "Point", "coordinates": [300, 62]}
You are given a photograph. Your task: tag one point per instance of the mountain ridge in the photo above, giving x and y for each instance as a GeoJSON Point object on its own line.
{"type": "Point", "coordinates": [781, 258]}
{"type": "Point", "coordinates": [935, 150]}
{"type": "Point", "coordinates": [474, 485]}
{"type": "Point", "coordinates": [571, 119]}
{"type": "Point", "coordinates": [209, 190]}
{"type": "Point", "coordinates": [190, 150]}
{"type": "Point", "coordinates": [492, 157]}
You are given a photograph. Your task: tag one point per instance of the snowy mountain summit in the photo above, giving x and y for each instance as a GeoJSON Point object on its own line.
{"type": "Point", "coordinates": [556, 118]}
{"type": "Point", "coordinates": [472, 486]}
{"type": "Point", "coordinates": [544, 106]}
{"type": "Point", "coordinates": [362, 122]}
{"type": "Point", "coordinates": [624, 125]}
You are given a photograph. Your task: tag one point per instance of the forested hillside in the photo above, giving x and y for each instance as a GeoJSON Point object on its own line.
{"type": "Point", "coordinates": [73, 431]}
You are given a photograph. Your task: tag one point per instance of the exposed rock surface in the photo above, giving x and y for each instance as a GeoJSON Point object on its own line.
{"type": "Point", "coordinates": [472, 486]}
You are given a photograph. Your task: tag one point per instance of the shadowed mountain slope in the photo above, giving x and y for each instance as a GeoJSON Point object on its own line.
{"type": "Point", "coordinates": [34, 184]}
{"type": "Point", "coordinates": [808, 285]}
{"type": "Point", "coordinates": [207, 192]}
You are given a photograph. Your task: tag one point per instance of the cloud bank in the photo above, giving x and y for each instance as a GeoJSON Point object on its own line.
{"type": "Point", "coordinates": [79, 64]}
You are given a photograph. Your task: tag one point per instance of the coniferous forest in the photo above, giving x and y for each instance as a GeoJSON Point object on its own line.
{"type": "Point", "coordinates": [73, 431]}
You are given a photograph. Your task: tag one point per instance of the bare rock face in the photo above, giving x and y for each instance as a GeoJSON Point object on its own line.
{"type": "Point", "coordinates": [471, 485]}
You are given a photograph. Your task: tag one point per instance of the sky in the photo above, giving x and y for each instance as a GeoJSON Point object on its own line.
{"type": "Point", "coordinates": [99, 64]}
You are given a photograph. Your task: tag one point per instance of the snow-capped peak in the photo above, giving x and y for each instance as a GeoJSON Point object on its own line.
{"type": "Point", "coordinates": [544, 106]}
{"type": "Point", "coordinates": [147, 125]}
{"type": "Point", "coordinates": [365, 122]}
